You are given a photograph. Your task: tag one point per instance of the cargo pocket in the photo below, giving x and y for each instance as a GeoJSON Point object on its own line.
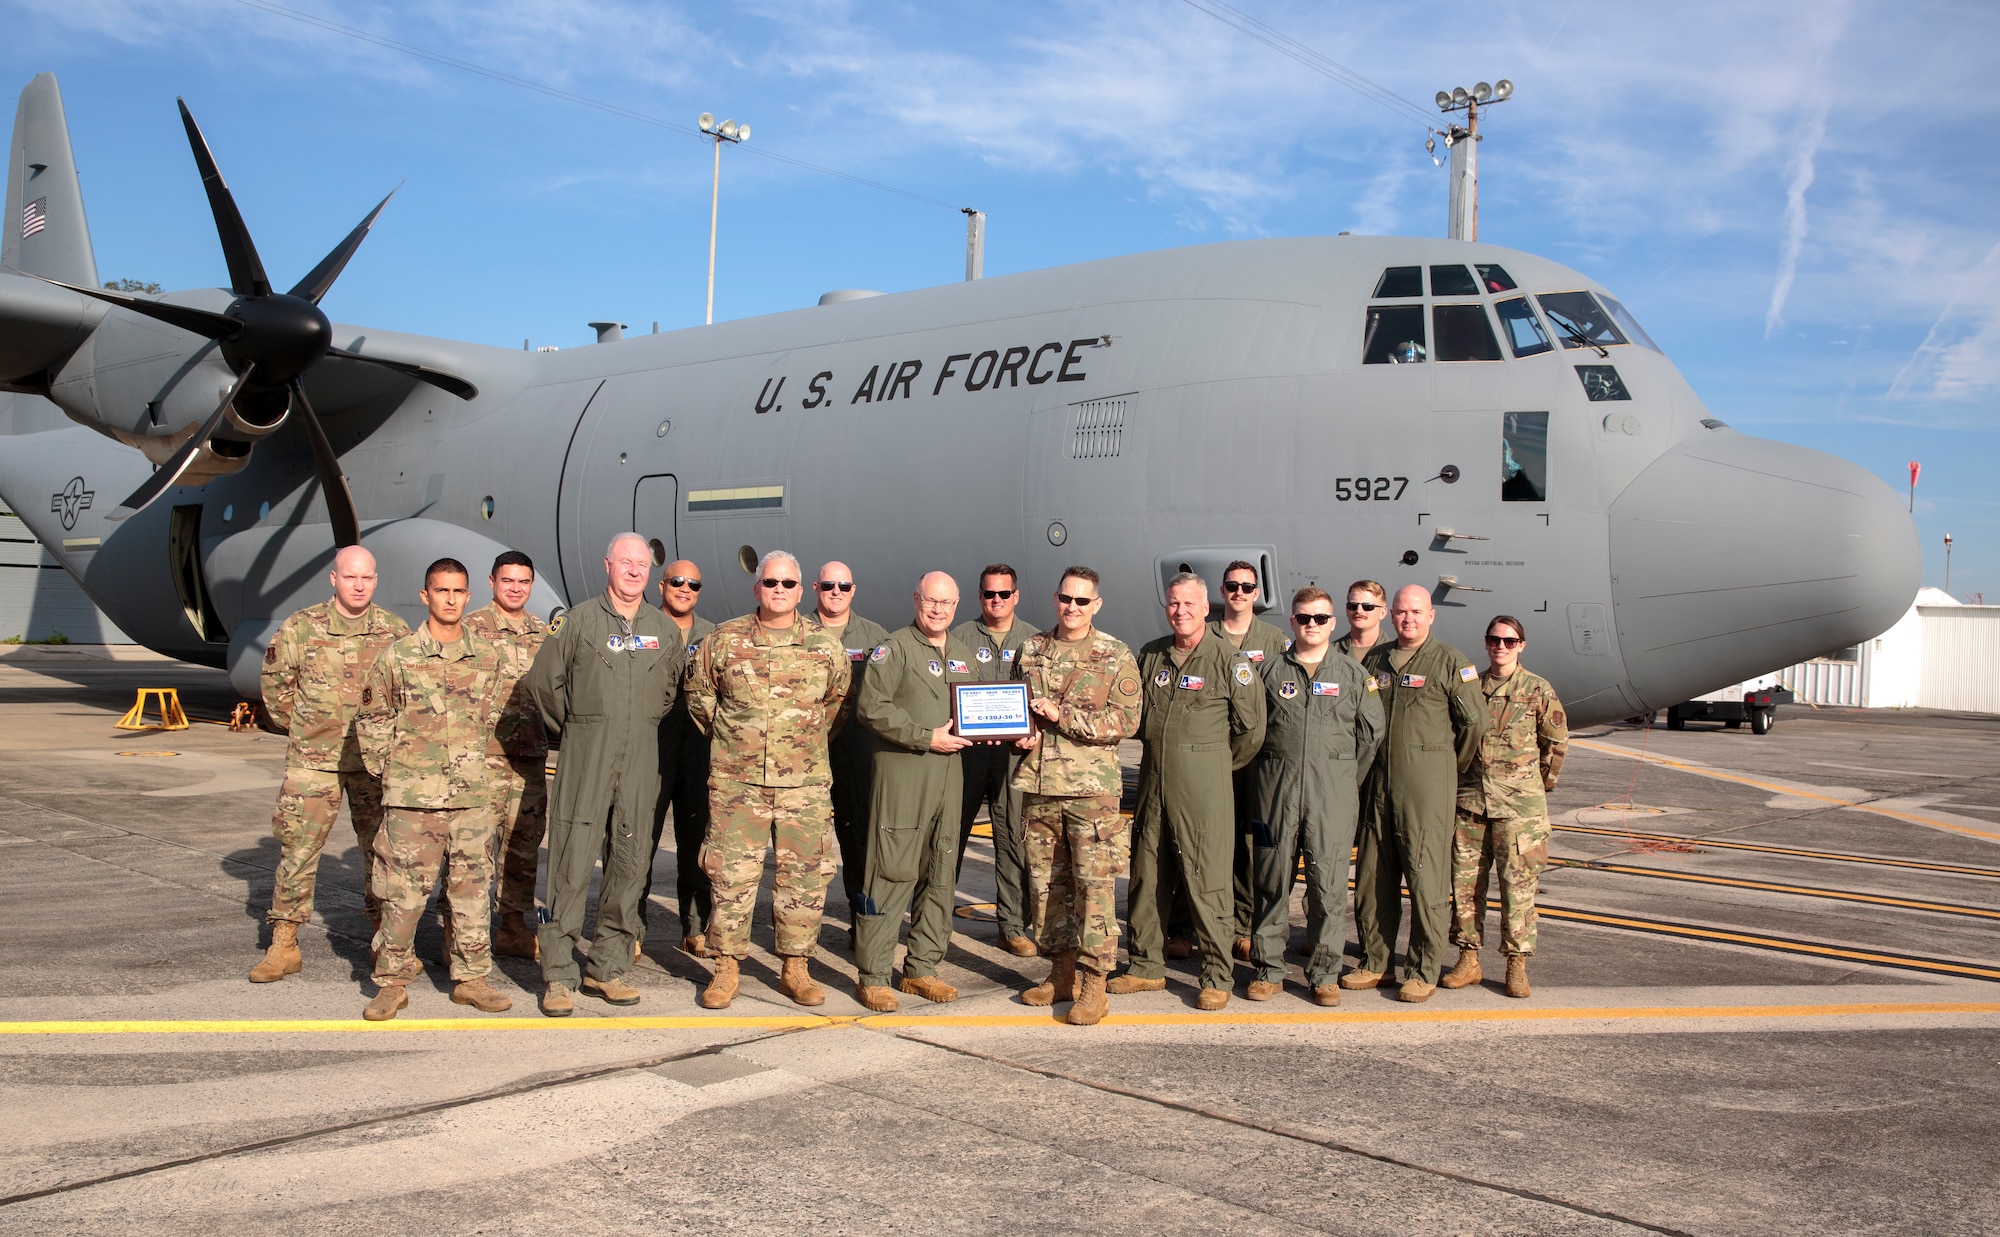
{"type": "Point", "coordinates": [898, 854]}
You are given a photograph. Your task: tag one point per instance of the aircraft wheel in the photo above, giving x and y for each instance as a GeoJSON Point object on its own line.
{"type": "Point", "coordinates": [1761, 720]}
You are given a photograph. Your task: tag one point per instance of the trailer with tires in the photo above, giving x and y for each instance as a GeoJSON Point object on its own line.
{"type": "Point", "coordinates": [1754, 701]}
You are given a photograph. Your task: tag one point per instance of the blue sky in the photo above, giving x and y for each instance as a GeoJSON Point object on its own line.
{"type": "Point", "coordinates": [1795, 198]}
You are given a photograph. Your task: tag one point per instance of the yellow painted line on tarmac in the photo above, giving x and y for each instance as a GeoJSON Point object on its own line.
{"type": "Point", "coordinates": [1432, 1014]}
{"type": "Point", "coordinates": [1784, 944]}
{"type": "Point", "coordinates": [1612, 749]}
{"type": "Point", "coordinates": [1953, 869]}
{"type": "Point", "coordinates": [1804, 891]}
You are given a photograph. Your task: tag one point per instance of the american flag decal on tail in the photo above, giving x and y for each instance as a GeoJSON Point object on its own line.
{"type": "Point", "coordinates": [34, 217]}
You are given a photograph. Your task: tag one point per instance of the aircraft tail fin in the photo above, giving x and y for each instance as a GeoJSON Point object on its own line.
{"type": "Point", "coordinates": [44, 231]}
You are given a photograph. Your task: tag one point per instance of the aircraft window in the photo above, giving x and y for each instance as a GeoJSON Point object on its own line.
{"type": "Point", "coordinates": [1401, 281]}
{"type": "Point", "coordinates": [1462, 333]}
{"type": "Point", "coordinates": [1452, 281]}
{"type": "Point", "coordinates": [1524, 331]}
{"type": "Point", "coordinates": [1579, 320]}
{"type": "Point", "coordinates": [1636, 333]}
{"type": "Point", "coordinates": [1395, 335]}
{"type": "Point", "coordinates": [1496, 278]}
{"type": "Point", "coordinates": [1524, 457]}
{"type": "Point", "coordinates": [1601, 382]}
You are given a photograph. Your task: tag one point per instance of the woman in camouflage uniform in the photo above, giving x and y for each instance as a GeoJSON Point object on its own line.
{"type": "Point", "coordinates": [1503, 811]}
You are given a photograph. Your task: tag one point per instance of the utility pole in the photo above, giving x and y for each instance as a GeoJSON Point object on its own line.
{"type": "Point", "coordinates": [1462, 217]}
{"type": "Point", "coordinates": [1947, 563]}
{"type": "Point", "coordinates": [727, 131]}
{"type": "Point", "coordinates": [975, 242]}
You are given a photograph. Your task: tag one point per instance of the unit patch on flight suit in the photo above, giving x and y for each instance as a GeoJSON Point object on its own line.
{"type": "Point", "coordinates": [1243, 672]}
{"type": "Point", "coordinates": [984, 654]}
{"type": "Point", "coordinates": [1288, 689]}
{"type": "Point", "coordinates": [1163, 678]}
{"type": "Point", "coordinates": [936, 669]}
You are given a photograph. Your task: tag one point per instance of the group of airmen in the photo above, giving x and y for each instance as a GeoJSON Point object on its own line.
{"type": "Point", "coordinates": [829, 740]}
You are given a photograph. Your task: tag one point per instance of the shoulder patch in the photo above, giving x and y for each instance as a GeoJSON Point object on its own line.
{"type": "Point", "coordinates": [1467, 673]}
{"type": "Point", "coordinates": [1372, 688]}
{"type": "Point", "coordinates": [367, 695]}
{"type": "Point", "coordinates": [1128, 686]}
{"type": "Point", "coordinates": [1243, 673]}
{"type": "Point", "coordinates": [881, 651]}
{"type": "Point", "coordinates": [555, 624]}
{"type": "Point", "coordinates": [271, 653]}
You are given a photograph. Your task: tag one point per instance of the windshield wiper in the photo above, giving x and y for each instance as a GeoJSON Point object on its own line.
{"type": "Point", "coordinates": [1582, 340]}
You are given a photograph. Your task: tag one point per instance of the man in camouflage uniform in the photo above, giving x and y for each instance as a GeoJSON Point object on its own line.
{"type": "Point", "coordinates": [768, 689]}
{"type": "Point", "coordinates": [1203, 719]}
{"type": "Point", "coordinates": [852, 747]}
{"type": "Point", "coordinates": [604, 678]}
{"type": "Point", "coordinates": [424, 727]}
{"type": "Point", "coordinates": [1434, 719]}
{"type": "Point", "coordinates": [684, 772]}
{"type": "Point", "coordinates": [1503, 810]}
{"type": "Point", "coordinates": [995, 638]}
{"type": "Point", "coordinates": [517, 760]}
{"type": "Point", "coordinates": [1083, 687]}
{"type": "Point", "coordinates": [314, 672]}
{"type": "Point", "coordinates": [918, 796]}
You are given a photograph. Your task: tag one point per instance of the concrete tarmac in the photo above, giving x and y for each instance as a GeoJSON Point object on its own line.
{"type": "Point", "coordinates": [1767, 1000]}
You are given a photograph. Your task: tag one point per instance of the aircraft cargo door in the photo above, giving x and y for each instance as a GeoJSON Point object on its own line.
{"type": "Point", "coordinates": [655, 508]}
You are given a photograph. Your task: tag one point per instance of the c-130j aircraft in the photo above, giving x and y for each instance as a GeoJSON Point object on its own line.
{"type": "Point", "coordinates": [1476, 419]}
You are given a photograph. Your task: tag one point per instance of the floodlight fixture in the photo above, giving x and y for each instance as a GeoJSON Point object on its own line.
{"type": "Point", "coordinates": [743, 133]}
{"type": "Point", "coordinates": [1483, 91]}
{"type": "Point", "coordinates": [1459, 95]}
{"type": "Point", "coordinates": [1502, 90]}
{"type": "Point", "coordinates": [1444, 100]}
{"type": "Point", "coordinates": [707, 122]}
{"type": "Point", "coordinates": [728, 129]}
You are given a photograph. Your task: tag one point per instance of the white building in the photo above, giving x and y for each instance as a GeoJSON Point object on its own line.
{"type": "Point", "coordinates": [38, 599]}
{"type": "Point", "coordinates": [1942, 654]}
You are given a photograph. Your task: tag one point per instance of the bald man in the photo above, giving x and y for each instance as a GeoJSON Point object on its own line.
{"type": "Point", "coordinates": [852, 750]}
{"type": "Point", "coordinates": [1434, 718]}
{"type": "Point", "coordinates": [314, 672]}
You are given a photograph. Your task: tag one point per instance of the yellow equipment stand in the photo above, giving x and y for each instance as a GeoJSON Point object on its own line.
{"type": "Point", "coordinates": [171, 717]}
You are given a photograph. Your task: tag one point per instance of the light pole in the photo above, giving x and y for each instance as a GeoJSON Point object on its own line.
{"type": "Point", "coordinates": [1947, 563]}
{"type": "Point", "coordinates": [1463, 221]}
{"type": "Point", "coordinates": [727, 131]}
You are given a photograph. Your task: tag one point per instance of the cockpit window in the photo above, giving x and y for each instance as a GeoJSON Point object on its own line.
{"type": "Point", "coordinates": [1395, 335]}
{"type": "Point", "coordinates": [1496, 278]}
{"type": "Point", "coordinates": [1401, 281]}
{"type": "Point", "coordinates": [1623, 317]}
{"type": "Point", "coordinates": [1579, 320]}
{"type": "Point", "coordinates": [1452, 281]}
{"type": "Point", "coordinates": [1462, 333]}
{"type": "Point", "coordinates": [1524, 331]}
{"type": "Point", "coordinates": [1524, 457]}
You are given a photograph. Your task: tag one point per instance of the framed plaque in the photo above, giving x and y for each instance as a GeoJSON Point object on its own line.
{"type": "Point", "coordinates": [991, 711]}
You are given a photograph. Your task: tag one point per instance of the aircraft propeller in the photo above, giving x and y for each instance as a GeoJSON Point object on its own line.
{"type": "Point", "coordinates": [270, 339]}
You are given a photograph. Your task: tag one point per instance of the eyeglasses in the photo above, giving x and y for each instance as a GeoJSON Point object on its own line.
{"type": "Point", "coordinates": [1238, 586]}
{"type": "Point", "coordinates": [1505, 642]}
{"type": "Point", "coordinates": [774, 582]}
{"type": "Point", "coordinates": [1366, 607]}
{"type": "Point", "coordinates": [687, 582]}
{"type": "Point", "coordinates": [1312, 620]}
{"type": "Point", "coordinates": [828, 586]}
{"type": "Point", "coordinates": [996, 594]}
{"type": "Point", "coordinates": [1064, 599]}
{"type": "Point", "coordinates": [938, 603]}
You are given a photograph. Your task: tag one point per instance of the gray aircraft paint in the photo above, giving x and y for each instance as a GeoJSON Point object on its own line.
{"type": "Point", "coordinates": [1194, 405]}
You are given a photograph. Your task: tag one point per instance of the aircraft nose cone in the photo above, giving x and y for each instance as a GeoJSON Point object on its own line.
{"type": "Point", "coordinates": [1734, 556]}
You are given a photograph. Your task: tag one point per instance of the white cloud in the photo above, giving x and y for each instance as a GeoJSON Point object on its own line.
{"type": "Point", "coordinates": [1960, 356]}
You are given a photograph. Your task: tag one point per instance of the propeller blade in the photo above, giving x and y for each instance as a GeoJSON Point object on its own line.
{"type": "Point", "coordinates": [332, 482]}
{"type": "Point", "coordinates": [166, 474]}
{"type": "Point", "coordinates": [246, 269]}
{"type": "Point", "coordinates": [199, 321]}
{"type": "Point", "coordinates": [315, 284]}
{"type": "Point", "coordinates": [449, 383]}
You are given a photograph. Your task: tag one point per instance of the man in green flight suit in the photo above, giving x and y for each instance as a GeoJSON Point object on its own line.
{"type": "Point", "coordinates": [918, 796]}
{"type": "Point", "coordinates": [1323, 724]}
{"type": "Point", "coordinates": [605, 676]}
{"type": "Point", "coordinates": [851, 751]}
{"type": "Point", "coordinates": [1203, 719]}
{"type": "Point", "coordinates": [996, 638]}
{"type": "Point", "coordinates": [1435, 719]}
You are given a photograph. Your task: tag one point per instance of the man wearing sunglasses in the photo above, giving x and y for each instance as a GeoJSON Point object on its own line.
{"type": "Point", "coordinates": [1324, 721]}
{"type": "Point", "coordinates": [1083, 688]}
{"type": "Point", "coordinates": [1435, 718]}
{"type": "Point", "coordinates": [996, 638]}
{"type": "Point", "coordinates": [1258, 642]}
{"type": "Point", "coordinates": [1503, 808]}
{"type": "Point", "coordinates": [684, 771]}
{"type": "Point", "coordinates": [517, 759]}
{"type": "Point", "coordinates": [605, 676]}
{"type": "Point", "coordinates": [768, 689]}
{"type": "Point", "coordinates": [853, 746]}
{"type": "Point", "coordinates": [1367, 606]}
{"type": "Point", "coordinates": [1203, 719]}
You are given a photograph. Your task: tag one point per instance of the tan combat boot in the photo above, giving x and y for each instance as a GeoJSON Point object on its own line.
{"type": "Point", "coordinates": [391, 998]}
{"type": "Point", "coordinates": [797, 983]}
{"type": "Point", "coordinates": [1128, 983]}
{"type": "Point", "coordinates": [613, 991]}
{"type": "Point", "coordinates": [282, 958]}
{"type": "Point", "coordinates": [695, 946]}
{"type": "Point", "coordinates": [1059, 986]}
{"type": "Point", "coordinates": [1211, 999]}
{"type": "Point", "coordinates": [1360, 977]}
{"type": "Point", "coordinates": [1241, 949]}
{"type": "Point", "coordinates": [929, 987]}
{"type": "Point", "coordinates": [557, 1001]}
{"type": "Point", "coordinates": [1517, 975]}
{"type": "Point", "coordinates": [481, 995]}
{"type": "Point", "coordinates": [513, 938]}
{"type": "Point", "coordinates": [878, 997]}
{"type": "Point", "coordinates": [721, 989]}
{"type": "Point", "coordinates": [1261, 990]}
{"type": "Point", "coordinates": [1463, 973]}
{"type": "Point", "coordinates": [1326, 994]}
{"type": "Point", "coordinates": [1019, 946]}
{"type": "Point", "coordinates": [1179, 947]}
{"type": "Point", "coordinates": [1414, 990]}
{"type": "Point", "coordinates": [1090, 1006]}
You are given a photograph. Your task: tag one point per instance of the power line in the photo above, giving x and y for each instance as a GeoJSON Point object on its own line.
{"type": "Point", "coordinates": [509, 79]}
{"type": "Point", "coordinates": [1285, 45]}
